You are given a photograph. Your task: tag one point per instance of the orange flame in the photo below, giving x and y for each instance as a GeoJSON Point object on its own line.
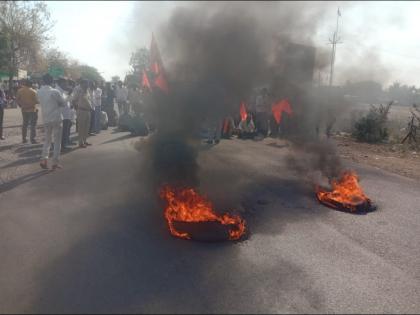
{"type": "Point", "coordinates": [346, 193]}
{"type": "Point", "coordinates": [186, 205]}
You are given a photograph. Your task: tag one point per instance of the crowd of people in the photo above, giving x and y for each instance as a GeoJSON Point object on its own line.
{"type": "Point", "coordinates": [63, 103]}
{"type": "Point", "coordinates": [256, 121]}
{"type": "Point", "coordinates": [89, 105]}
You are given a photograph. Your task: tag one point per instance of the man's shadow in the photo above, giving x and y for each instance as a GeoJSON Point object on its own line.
{"type": "Point", "coordinates": [21, 180]}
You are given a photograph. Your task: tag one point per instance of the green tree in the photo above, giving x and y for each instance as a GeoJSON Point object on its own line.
{"type": "Point", "coordinates": [139, 61]}
{"type": "Point", "coordinates": [90, 73]}
{"type": "Point", "coordinates": [3, 52]}
{"type": "Point", "coordinates": [24, 25]}
{"type": "Point", "coordinates": [132, 80]}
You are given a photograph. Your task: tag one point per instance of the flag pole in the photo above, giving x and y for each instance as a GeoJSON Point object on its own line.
{"type": "Point", "coordinates": [334, 41]}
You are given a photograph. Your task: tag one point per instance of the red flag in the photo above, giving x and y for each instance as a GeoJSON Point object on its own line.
{"type": "Point", "coordinates": [287, 108]}
{"type": "Point", "coordinates": [242, 111]}
{"type": "Point", "coordinates": [145, 81]}
{"type": "Point", "coordinates": [280, 107]}
{"type": "Point", "coordinates": [155, 59]}
{"type": "Point", "coordinates": [156, 66]}
{"type": "Point", "coordinates": [160, 82]}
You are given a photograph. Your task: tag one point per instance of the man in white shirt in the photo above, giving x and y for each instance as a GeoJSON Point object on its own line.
{"type": "Point", "coordinates": [262, 110]}
{"type": "Point", "coordinates": [121, 96]}
{"type": "Point", "coordinates": [135, 100]}
{"type": "Point", "coordinates": [97, 106]}
{"type": "Point", "coordinates": [67, 112]}
{"type": "Point", "coordinates": [51, 103]}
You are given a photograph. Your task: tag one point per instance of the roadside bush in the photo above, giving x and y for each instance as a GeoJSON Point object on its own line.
{"type": "Point", "coordinates": [372, 127]}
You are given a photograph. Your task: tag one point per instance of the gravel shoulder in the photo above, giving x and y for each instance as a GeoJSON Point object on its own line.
{"type": "Point", "coordinates": [394, 158]}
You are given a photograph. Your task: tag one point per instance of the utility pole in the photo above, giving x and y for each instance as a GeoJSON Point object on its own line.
{"type": "Point", "coordinates": [334, 41]}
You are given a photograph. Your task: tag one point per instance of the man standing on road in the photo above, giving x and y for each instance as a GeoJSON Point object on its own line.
{"type": "Point", "coordinates": [135, 100]}
{"type": "Point", "coordinates": [262, 109]}
{"type": "Point", "coordinates": [97, 105]}
{"type": "Point", "coordinates": [3, 103]}
{"type": "Point", "coordinates": [121, 95]}
{"type": "Point", "coordinates": [67, 113]}
{"type": "Point", "coordinates": [52, 104]}
{"type": "Point", "coordinates": [84, 106]}
{"type": "Point", "coordinates": [108, 103]}
{"type": "Point", "coordinates": [27, 100]}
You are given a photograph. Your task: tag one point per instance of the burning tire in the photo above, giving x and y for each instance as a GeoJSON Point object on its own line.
{"type": "Point", "coordinates": [346, 195]}
{"type": "Point", "coordinates": [191, 216]}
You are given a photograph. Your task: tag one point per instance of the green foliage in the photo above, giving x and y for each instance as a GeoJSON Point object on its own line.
{"type": "Point", "coordinates": [23, 25]}
{"type": "Point", "coordinates": [132, 80]}
{"type": "Point", "coordinates": [24, 28]}
{"type": "Point", "coordinates": [139, 61]}
{"type": "Point", "coordinates": [4, 52]}
{"type": "Point", "coordinates": [372, 127]}
{"type": "Point", "coordinates": [90, 73]}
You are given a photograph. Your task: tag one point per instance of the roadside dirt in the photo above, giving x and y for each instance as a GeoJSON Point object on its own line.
{"type": "Point", "coordinates": [396, 158]}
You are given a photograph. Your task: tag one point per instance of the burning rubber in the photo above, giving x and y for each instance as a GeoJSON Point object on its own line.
{"type": "Point", "coordinates": [191, 216]}
{"type": "Point", "coordinates": [346, 195]}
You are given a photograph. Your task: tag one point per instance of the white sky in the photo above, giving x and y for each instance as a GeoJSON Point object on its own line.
{"type": "Point", "coordinates": [94, 32]}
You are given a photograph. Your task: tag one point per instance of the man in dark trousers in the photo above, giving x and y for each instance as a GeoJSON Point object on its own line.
{"type": "Point", "coordinates": [27, 100]}
{"type": "Point", "coordinates": [3, 103]}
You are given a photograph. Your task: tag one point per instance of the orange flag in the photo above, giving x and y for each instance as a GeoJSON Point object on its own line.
{"type": "Point", "coordinates": [280, 107]}
{"type": "Point", "coordinates": [156, 67]}
{"type": "Point", "coordinates": [155, 59]}
{"type": "Point", "coordinates": [161, 82]}
{"type": "Point", "coordinates": [242, 111]}
{"type": "Point", "coordinates": [145, 81]}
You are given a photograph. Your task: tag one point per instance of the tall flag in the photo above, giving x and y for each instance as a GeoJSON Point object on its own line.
{"type": "Point", "coordinates": [161, 82]}
{"type": "Point", "coordinates": [338, 12]}
{"type": "Point", "coordinates": [280, 107]}
{"type": "Point", "coordinates": [156, 66]}
{"type": "Point", "coordinates": [155, 58]}
{"type": "Point", "coordinates": [145, 81]}
{"type": "Point", "coordinates": [242, 111]}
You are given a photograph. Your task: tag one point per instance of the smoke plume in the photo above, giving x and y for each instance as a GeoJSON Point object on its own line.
{"type": "Point", "coordinates": [215, 54]}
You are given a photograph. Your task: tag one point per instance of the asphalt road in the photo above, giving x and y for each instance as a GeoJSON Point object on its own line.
{"type": "Point", "coordinates": [91, 238]}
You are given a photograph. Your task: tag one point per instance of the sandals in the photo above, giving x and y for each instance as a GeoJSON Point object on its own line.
{"type": "Point", "coordinates": [43, 164]}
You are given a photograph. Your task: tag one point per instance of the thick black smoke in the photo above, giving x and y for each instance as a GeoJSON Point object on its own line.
{"type": "Point", "coordinates": [215, 54]}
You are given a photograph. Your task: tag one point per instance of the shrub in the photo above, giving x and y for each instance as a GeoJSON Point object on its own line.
{"type": "Point", "coordinates": [372, 127]}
